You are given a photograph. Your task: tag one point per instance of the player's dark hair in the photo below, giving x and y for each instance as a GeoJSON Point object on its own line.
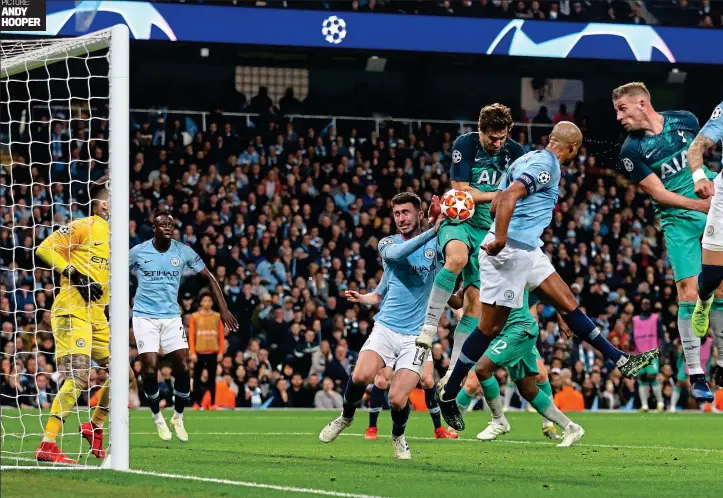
{"type": "Point", "coordinates": [495, 117]}
{"type": "Point", "coordinates": [632, 88]}
{"type": "Point", "coordinates": [405, 197]}
{"type": "Point", "coordinates": [160, 213]}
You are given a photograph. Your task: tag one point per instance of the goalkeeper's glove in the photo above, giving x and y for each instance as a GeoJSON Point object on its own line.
{"type": "Point", "coordinates": [89, 289]}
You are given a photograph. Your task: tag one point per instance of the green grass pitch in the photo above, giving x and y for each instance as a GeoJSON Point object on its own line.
{"type": "Point", "coordinates": [277, 453]}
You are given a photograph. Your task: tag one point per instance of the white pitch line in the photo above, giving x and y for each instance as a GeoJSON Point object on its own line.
{"type": "Point", "coordinates": [244, 484]}
{"type": "Point", "coordinates": [420, 438]}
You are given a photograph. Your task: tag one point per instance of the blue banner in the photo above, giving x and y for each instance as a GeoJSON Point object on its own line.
{"type": "Point", "coordinates": [323, 29]}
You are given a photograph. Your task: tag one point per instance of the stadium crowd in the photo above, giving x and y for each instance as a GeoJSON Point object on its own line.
{"type": "Point", "coordinates": [287, 216]}
{"type": "Point", "coordinates": [700, 13]}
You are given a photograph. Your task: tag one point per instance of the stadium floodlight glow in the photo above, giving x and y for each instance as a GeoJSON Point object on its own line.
{"type": "Point", "coordinates": [60, 79]}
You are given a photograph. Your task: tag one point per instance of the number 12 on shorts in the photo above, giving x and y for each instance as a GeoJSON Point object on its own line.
{"type": "Point", "coordinates": [498, 346]}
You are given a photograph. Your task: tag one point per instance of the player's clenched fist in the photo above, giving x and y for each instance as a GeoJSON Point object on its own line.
{"type": "Point", "coordinates": [89, 289]}
{"type": "Point", "coordinates": [494, 247]}
{"type": "Point", "coordinates": [704, 189]}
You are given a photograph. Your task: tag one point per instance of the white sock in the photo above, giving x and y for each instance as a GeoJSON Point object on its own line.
{"type": "Point", "coordinates": [644, 393]}
{"type": "Point", "coordinates": [158, 418]}
{"type": "Point", "coordinates": [496, 408]}
{"type": "Point", "coordinates": [658, 392]}
{"type": "Point", "coordinates": [177, 415]}
{"type": "Point", "coordinates": [509, 392]}
{"type": "Point", "coordinates": [553, 414]}
{"type": "Point", "coordinates": [546, 423]}
{"type": "Point", "coordinates": [691, 346]}
{"type": "Point", "coordinates": [435, 306]}
{"type": "Point", "coordinates": [716, 322]}
{"type": "Point", "coordinates": [674, 398]}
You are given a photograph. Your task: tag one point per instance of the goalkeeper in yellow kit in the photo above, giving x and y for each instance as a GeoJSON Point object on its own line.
{"type": "Point", "coordinates": [79, 252]}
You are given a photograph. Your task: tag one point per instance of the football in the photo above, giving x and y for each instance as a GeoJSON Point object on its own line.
{"type": "Point", "coordinates": [457, 206]}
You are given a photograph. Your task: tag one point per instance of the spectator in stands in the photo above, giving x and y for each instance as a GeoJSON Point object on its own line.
{"type": "Point", "coordinates": [328, 398]}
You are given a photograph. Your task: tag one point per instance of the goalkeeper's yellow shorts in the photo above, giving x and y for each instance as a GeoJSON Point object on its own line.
{"type": "Point", "coordinates": [76, 336]}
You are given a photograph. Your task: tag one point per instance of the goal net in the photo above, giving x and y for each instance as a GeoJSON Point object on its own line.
{"type": "Point", "coordinates": [64, 121]}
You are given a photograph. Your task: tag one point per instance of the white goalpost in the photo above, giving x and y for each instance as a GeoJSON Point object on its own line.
{"type": "Point", "coordinates": [64, 128]}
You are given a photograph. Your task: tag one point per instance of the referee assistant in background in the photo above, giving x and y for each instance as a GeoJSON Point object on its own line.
{"type": "Point", "coordinates": [206, 343]}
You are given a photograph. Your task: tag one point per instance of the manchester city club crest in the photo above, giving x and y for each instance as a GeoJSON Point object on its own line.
{"type": "Point", "coordinates": [175, 261]}
{"type": "Point", "coordinates": [430, 254]}
{"type": "Point", "coordinates": [509, 295]}
{"type": "Point", "coordinates": [709, 230]}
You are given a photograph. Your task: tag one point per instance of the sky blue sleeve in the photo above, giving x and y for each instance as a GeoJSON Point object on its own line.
{"type": "Point", "coordinates": [382, 287]}
{"type": "Point", "coordinates": [133, 257]}
{"type": "Point", "coordinates": [713, 129]}
{"type": "Point", "coordinates": [397, 252]}
{"type": "Point", "coordinates": [193, 260]}
{"type": "Point", "coordinates": [536, 175]}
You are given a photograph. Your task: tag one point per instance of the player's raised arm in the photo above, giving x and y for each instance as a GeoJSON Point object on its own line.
{"type": "Point", "coordinates": [711, 133]}
{"type": "Point", "coordinates": [653, 186]}
{"type": "Point", "coordinates": [226, 317]}
{"type": "Point", "coordinates": [395, 252]}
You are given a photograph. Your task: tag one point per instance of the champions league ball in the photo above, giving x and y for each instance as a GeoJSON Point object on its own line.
{"type": "Point", "coordinates": [334, 30]}
{"type": "Point", "coordinates": [457, 206]}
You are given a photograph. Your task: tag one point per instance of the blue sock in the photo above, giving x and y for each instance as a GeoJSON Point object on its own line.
{"type": "Point", "coordinates": [352, 396]}
{"type": "Point", "coordinates": [709, 280]}
{"type": "Point", "coordinates": [432, 406]}
{"type": "Point", "coordinates": [582, 327]}
{"type": "Point", "coordinates": [376, 400]}
{"type": "Point", "coordinates": [472, 350]}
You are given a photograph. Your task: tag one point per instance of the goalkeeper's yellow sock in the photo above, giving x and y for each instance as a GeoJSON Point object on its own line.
{"type": "Point", "coordinates": [101, 409]}
{"type": "Point", "coordinates": [62, 404]}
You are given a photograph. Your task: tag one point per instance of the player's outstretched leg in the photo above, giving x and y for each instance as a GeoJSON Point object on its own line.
{"type": "Point", "coordinates": [556, 292]}
{"type": "Point", "coordinates": [456, 256]}
{"type": "Point", "coordinates": [149, 362]}
{"type": "Point", "coordinates": [491, 389]}
{"type": "Point", "coordinates": [545, 407]}
{"type": "Point", "coordinates": [368, 365]}
{"type": "Point", "coordinates": [687, 294]}
{"type": "Point", "coordinates": [489, 327]}
{"type": "Point", "coordinates": [543, 384]}
{"type": "Point", "coordinates": [181, 390]}
{"type": "Point", "coordinates": [709, 280]}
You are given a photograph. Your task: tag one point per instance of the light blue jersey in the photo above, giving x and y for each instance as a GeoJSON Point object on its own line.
{"type": "Point", "coordinates": [159, 277]}
{"type": "Point", "coordinates": [539, 172]}
{"type": "Point", "coordinates": [409, 271]}
{"type": "Point", "coordinates": [713, 129]}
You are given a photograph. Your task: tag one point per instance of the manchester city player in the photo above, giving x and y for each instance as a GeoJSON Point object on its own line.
{"type": "Point", "coordinates": [711, 275]}
{"type": "Point", "coordinates": [511, 262]}
{"type": "Point", "coordinates": [411, 261]}
{"type": "Point", "coordinates": [159, 265]}
{"type": "Point", "coordinates": [654, 156]}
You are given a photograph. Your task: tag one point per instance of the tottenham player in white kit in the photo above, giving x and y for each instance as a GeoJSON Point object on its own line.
{"type": "Point", "coordinates": [511, 262]}
{"type": "Point", "coordinates": [411, 261]}
{"type": "Point", "coordinates": [159, 264]}
{"type": "Point", "coordinates": [711, 275]}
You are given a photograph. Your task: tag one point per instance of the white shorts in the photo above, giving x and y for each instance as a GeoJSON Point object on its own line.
{"type": "Point", "coordinates": [397, 350]}
{"type": "Point", "coordinates": [713, 235]}
{"type": "Point", "coordinates": [505, 277]}
{"type": "Point", "coordinates": [154, 334]}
